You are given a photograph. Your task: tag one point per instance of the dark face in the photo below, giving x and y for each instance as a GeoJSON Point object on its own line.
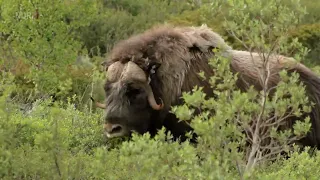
{"type": "Point", "coordinates": [127, 108]}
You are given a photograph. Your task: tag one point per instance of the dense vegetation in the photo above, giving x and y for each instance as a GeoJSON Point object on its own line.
{"type": "Point", "coordinates": [50, 55]}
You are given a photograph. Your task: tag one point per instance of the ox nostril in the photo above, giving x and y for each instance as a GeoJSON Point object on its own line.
{"type": "Point", "coordinates": [116, 128]}
{"type": "Point", "coordinates": [113, 128]}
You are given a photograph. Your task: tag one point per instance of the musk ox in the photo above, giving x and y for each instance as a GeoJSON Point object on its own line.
{"type": "Point", "coordinates": [147, 73]}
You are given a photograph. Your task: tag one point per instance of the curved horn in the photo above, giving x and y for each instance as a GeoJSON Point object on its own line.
{"type": "Point", "coordinates": [99, 105]}
{"type": "Point", "coordinates": [133, 70]}
{"type": "Point", "coordinates": [114, 71]}
{"type": "Point", "coordinates": [152, 100]}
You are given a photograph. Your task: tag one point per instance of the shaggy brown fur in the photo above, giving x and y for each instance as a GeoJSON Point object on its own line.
{"type": "Point", "coordinates": [183, 51]}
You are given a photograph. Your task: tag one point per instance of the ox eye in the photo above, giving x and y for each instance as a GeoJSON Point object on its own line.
{"type": "Point", "coordinates": [132, 92]}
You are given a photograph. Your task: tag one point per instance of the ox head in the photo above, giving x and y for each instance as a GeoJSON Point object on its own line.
{"type": "Point", "coordinates": [129, 100]}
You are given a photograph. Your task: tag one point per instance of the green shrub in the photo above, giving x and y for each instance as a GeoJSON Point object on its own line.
{"type": "Point", "coordinates": [309, 36]}
{"type": "Point", "coordinates": [119, 19]}
{"type": "Point", "coordinates": [299, 166]}
{"type": "Point", "coordinates": [39, 51]}
{"type": "Point", "coordinates": [42, 139]}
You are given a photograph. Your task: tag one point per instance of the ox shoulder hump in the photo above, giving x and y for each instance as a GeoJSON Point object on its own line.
{"type": "Point", "coordinates": [204, 38]}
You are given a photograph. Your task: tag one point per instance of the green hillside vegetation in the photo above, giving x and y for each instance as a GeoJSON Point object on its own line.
{"type": "Point", "coordinates": [50, 56]}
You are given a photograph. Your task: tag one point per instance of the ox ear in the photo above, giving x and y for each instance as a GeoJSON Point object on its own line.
{"type": "Point", "coordinates": [152, 69]}
{"type": "Point", "coordinates": [104, 65]}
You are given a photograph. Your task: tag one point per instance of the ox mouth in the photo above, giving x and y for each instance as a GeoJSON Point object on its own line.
{"type": "Point", "coordinates": [114, 135]}
{"type": "Point", "coordinates": [112, 131]}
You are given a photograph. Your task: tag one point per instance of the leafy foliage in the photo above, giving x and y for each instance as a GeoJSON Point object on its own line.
{"type": "Point", "coordinates": [44, 43]}
{"type": "Point", "coordinates": [54, 48]}
{"type": "Point", "coordinates": [309, 36]}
